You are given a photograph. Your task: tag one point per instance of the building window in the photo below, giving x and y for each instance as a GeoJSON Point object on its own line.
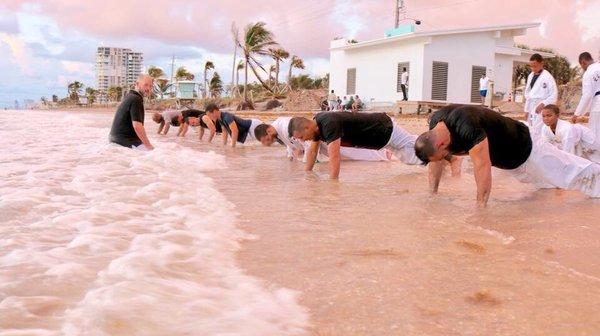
{"type": "Point", "coordinates": [401, 66]}
{"type": "Point", "coordinates": [351, 81]}
{"type": "Point", "coordinates": [476, 73]}
{"type": "Point", "coordinates": [439, 81]}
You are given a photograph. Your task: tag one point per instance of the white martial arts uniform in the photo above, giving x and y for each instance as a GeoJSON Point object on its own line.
{"type": "Point", "coordinates": [590, 97]}
{"type": "Point", "coordinates": [549, 166]}
{"type": "Point", "coordinates": [544, 91]}
{"type": "Point", "coordinates": [402, 144]}
{"type": "Point", "coordinates": [574, 139]}
{"type": "Point", "coordinates": [292, 145]}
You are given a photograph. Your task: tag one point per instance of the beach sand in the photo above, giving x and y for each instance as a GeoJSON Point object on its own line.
{"type": "Point", "coordinates": [370, 254]}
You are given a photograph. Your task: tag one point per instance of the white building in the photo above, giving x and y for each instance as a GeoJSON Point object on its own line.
{"type": "Point", "coordinates": [117, 67]}
{"type": "Point", "coordinates": [443, 65]}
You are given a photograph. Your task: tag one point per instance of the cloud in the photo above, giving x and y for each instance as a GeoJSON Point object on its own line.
{"type": "Point", "coordinates": [588, 20]}
{"type": "Point", "coordinates": [18, 53]}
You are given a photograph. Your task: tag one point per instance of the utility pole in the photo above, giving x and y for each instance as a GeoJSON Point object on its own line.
{"type": "Point", "coordinates": [400, 8]}
{"type": "Point", "coordinates": [172, 68]}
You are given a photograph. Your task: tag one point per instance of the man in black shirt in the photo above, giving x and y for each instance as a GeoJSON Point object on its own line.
{"type": "Point", "coordinates": [491, 139]}
{"type": "Point", "coordinates": [361, 130]}
{"type": "Point", "coordinates": [128, 125]}
{"type": "Point", "coordinates": [239, 129]}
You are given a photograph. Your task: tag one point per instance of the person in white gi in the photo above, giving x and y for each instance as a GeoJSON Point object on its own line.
{"type": "Point", "coordinates": [540, 90]}
{"type": "Point", "coordinates": [590, 93]}
{"type": "Point", "coordinates": [493, 140]}
{"type": "Point", "coordinates": [404, 84]}
{"type": "Point", "coordinates": [296, 149]}
{"type": "Point", "coordinates": [332, 100]}
{"type": "Point", "coordinates": [574, 139]}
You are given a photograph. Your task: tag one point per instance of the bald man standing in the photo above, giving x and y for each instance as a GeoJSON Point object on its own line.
{"type": "Point", "coordinates": [128, 125]}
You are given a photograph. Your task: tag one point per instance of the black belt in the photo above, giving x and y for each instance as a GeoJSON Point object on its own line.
{"type": "Point", "coordinates": [597, 93]}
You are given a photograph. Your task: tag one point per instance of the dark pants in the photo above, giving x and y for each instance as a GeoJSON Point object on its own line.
{"type": "Point", "coordinates": [404, 91]}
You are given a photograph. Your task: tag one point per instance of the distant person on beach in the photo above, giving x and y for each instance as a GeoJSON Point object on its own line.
{"type": "Point", "coordinates": [165, 120]}
{"type": "Point", "coordinates": [332, 99]}
{"type": "Point", "coordinates": [345, 129]}
{"type": "Point", "coordinates": [277, 131]}
{"type": "Point", "coordinates": [404, 84]}
{"type": "Point", "coordinates": [491, 139]}
{"type": "Point", "coordinates": [357, 104]}
{"type": "Point", "coordinates": [339, 104]}
{"type": "Point", "coordinates": [237, 128]}
{"type": "Point", "coordinates": [540, 90]}
{"type": "Point", "coordinates": [575, 139]}
{"type": "Point", "coordinates": [484, 82]}
{"type": "Point", "coordinates": [345, 102]}
{"type": "Point", "coordinates": [128, 125]}
{"type": "Point", "coordinates": [590, 93]}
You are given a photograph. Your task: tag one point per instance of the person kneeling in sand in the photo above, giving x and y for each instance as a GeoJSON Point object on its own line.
{"type": "Point", "coordinates": [128, 124]}
{"type": "Point", "coordinates": [491, 139]}
{"type": "Point", "coordinates": [239, 129]}
{"type": "Point", "coordinates": [346, 129]}
{"type": "Point", "coordinates": [278, 131]}
{"type": "Point", "coordinates": [575, 139]}
{"type": "Point", "coordinates": [165, 120]}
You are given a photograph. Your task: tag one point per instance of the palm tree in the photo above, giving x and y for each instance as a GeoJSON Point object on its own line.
{"type": "Point", "coordinates": [155, 72]}
{"type": "Point", "coordinates": [271, 71]}
{"type": "Point", "coordinates": [161, 87]}
{"type": "Point", "coordinates": [115, 93]}
{"type": "Point", "coordinates": [183, 74]}
{"type": "Point", "coordinates": [255, 43]}
{"type": "Point", "coordinates": [216, 85]}
{"type": "Point", "coordinates": [297, 63]}
{"type": "Point", "coordinates": [90, 93]}
{"type": "Point", "coordinates": [207, 66]}
{"type": "Point", "coordinates": [74, 90]}
{"type": "Point", "coordinates": [278, 55]}
{"type": "Point", "coordinates": [239, 67]}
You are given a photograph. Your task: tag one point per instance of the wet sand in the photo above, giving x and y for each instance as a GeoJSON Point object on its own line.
{"type": "Point", "coordinates": [374, 254]}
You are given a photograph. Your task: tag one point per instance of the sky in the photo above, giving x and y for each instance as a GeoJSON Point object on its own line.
{"type": "Point", "coordinates": [47, 44]}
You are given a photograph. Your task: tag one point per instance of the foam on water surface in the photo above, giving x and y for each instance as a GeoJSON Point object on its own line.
{"type": "Point", "coordinates": [97, 239]}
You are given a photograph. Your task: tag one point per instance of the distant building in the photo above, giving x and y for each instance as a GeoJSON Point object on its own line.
{"type": "Point", "coordinates": [443, 65]}
{"type": "Point", "coordinates": [117, 67]}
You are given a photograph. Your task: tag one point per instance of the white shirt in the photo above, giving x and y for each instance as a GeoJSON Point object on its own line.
{"type": "Point", "coordinates": [590, 84]}
{"type": "Point", "coordinates": [544, 91]}
{"type": "Point", "coordinates": [404, 78]}
{"type": "Point", "coordinates": [483, 83]}
{"type": "Point", "coordinates": [168, 115]}
{"type": "Point", "coordinates": [568, 136]}
{"type": "Point", "coordinates": [281, 126]}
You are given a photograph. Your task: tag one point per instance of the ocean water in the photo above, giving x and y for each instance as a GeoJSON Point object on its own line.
{"type": "Point", "coordinates": [96, 239]}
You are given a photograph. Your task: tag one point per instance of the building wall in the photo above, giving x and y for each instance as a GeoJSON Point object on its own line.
{"type": "Point", "coordinates": [503, 70]}
{"type": "Point", "coordinates": [377, 70]}
{"type": "Point", "coordinates": [461, 52]}
{"type": "Point", "coordinates": [117, 67]}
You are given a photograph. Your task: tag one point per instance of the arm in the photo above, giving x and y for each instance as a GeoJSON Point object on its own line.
{"type": "Point", "coordinates": [586, 99]}
{"type": "Point", "coordinates": [311, 155]}
{"type": "Point", "coordinates": [224, 135]}
{"type": "Point", "coordinates": [200, 133]}
{"type": "Point", "coordinates": [235, 132]}
{"type": "Point", "coordinates": [183, 128]}
{"type": "Point", "coordinates": [211, 126]}
{"type": "Point", "coordinates": [570, 141]}
{"type": "Point", "coordinates": [334, 158]}
{"type": "Point", "coordinates": [141, 133]}
{"type": "Point", "coordinates": [435, 175]}
{"type": "Point", "coordinates": [160, 127]}
{"type": "Point", "coordinates": [553, 97]}
{"type": "Point", "coordinates": [482, 167]}
{"type": "Point", "coordinates": [167, 126]}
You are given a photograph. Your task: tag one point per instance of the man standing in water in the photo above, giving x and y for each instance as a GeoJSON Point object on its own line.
{"type": "Point", "coordinates": [365, 130]}
{"type": "Point", "coordinates": [128, 125]}
{"type": "Point", "coordinates": [590, 93]}
{"type": "Point", "coordinates": [239, 129]}
{"type": "Point", "coordinates": [540, 90]}
{"type": "Point", "coordinates": [491, 139]}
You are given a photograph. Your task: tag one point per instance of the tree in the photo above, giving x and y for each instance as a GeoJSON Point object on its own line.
{"type": "Point", "coordinates": [44, 100]}
{"type": "Point", "coordinates": [74, 90]}
{"type": "Point", "coordinates": [255, 43]}
{"type": "Point", "coordinates": [54, 98]}
{"type": "Point", "coordinates": [115, 93]}
{"type": "Point", "coordinates": [560, 68]}
{"type": "Point", "coordinates": [207, 66]}
{"type": "Point", "coordinates": [161, 87]}
{"type": "Point", "coordinates": [239, 67]}
{"type": "Point", "coordinates": [216, 85]}
{"type": "Point", "coordinates": [90, 93]}
{"type": "Point", "coordinates": [271, 71]}
{"type": "Point", "coordinates": [297, 63]}
{"type": "Point", "coordinates": [278, 55]}
{"type": "Point", "coordinates": [520, 73]}
{"type": "Point", "coordinates": [155, 72]}
{"type": "Point", "coordinates": [183, 74]}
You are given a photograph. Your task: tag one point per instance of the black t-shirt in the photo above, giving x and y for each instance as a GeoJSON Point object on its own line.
{"type": "Point", "coordinates": [130, 110]}
{"type": "Point", "coordinates": [363, 130]}
{"type": "Point", "coordinates": [509, 140]}
{"type": "Point", "coordinates": [191, 113]}
{"type": "Point", "coordinates": [203, 124]}
{"type": "Point", "coordinates": [243, 125]}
